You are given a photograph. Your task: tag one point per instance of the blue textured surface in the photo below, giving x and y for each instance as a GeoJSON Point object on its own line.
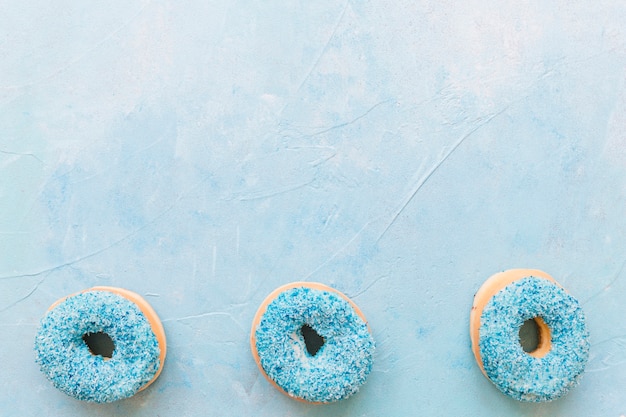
{"type": "Point", "coordinates": [204, 153]}
{"type": "Point", "coordinates": [341, 365]}
{"type": "Point", "coordinates": [517, 373]}
{"type": "Point", "coordinates": [66, 360]}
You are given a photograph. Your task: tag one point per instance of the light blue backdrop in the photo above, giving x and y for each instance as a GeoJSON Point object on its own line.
{"type": "Point", "coordinates": [204, 153]}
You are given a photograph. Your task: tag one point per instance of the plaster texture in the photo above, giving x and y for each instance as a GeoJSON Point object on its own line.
{"type": "Point", "coordinates": [202, 154]}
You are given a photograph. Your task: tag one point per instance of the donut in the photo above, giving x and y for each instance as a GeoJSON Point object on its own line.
{"type": "Point", "coordinates": [101, 345]}
{"type": "Point", "coordinates": [312, 343]}
{"type": "Point", "coordinates": [503, 304]}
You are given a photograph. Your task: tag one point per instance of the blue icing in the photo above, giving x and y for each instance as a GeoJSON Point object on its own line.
{"type": "Point", "coordinates": [517, 373]}
{"type": "Point", "coordinates": [341, 365]}
{"type": "Point", "coordinates": [66, 360]}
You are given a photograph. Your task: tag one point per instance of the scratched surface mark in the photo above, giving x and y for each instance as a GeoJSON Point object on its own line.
{"type": "Point", "coordinates": [204, 154]}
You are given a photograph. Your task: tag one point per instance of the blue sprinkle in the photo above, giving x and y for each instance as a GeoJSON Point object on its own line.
{"type": "Point", "coordinates": [513, 371]}
{"type": "Point", "coordinates": [66, 360]}
{"type": "Point", "coordinates": [341, 365]}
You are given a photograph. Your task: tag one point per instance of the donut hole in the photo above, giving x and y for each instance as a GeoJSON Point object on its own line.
{"type": "Point", "coordinates": [312, 340]}
{"type": "Point", "coordinates": [534, 337]}
{"type": "Point", "coordinates": [99, 344]}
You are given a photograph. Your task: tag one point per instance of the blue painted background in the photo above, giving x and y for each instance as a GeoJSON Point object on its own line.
{"type": "Point", "coordinates": [204, 153]}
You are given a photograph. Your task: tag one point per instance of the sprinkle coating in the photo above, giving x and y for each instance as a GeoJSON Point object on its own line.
{"type": "Point", "coordinates": [341, 365]}
{"type": "Point", "coordinates": [513, 371]}
{"type": "Point", "coordinates": [66, 360]}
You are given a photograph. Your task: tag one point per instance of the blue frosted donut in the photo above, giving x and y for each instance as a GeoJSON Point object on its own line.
{"type": "Point", "coordinates": [66, 359]}
{"type": "Point", "coordinates": [341, 364]}
{"type": "Point", "coordinates": [557, 364]}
